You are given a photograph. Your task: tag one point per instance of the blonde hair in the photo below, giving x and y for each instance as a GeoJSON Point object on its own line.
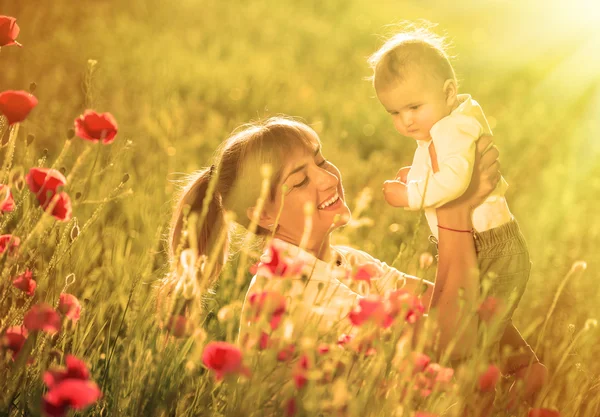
{"type": "Point", "coordinates": [235, 177]}
{"type": "Point", "coordinates": [416, 47]}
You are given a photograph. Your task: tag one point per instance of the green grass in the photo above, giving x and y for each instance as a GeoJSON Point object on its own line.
{"type": "Point", "coordinates": [179, 77]}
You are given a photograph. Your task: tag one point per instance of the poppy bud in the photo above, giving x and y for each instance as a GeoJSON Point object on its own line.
{"type": "Point", "coordinates": [32, 87]}
{"type": "Point", "coordinates": [125, 178]}
{"type": "Point", "coordinates": [70, 134]}
{"type": "Point", "coordinates": [30, 139]}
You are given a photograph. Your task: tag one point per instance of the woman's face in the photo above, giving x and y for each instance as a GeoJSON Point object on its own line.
{"type": "Point", "coordinates": [308, 177]}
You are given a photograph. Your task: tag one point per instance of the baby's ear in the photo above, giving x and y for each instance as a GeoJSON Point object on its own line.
{"type": "Point", "coordinates": [450, 90]}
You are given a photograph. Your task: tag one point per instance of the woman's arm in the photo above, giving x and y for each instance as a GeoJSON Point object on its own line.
{"type": "Point", "coordinates": [458, 273]}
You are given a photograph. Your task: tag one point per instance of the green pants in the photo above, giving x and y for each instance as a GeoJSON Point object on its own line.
{"type": "Point", "coordinates": [503, 259]}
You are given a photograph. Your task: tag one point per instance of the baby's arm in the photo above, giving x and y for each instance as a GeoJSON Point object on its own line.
{"type": "Point", "coordinates": [454, 139]}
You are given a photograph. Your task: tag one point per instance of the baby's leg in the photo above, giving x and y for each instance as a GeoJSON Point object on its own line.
{"type": "Point", "coordinates": [504, 266]}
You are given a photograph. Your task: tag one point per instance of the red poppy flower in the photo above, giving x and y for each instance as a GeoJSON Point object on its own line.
{"type": "Point", "coordinates": [420, 361]}
{"type": "Point", "coordinates": [9, 242]}
{"type": "Point", "coordinates": [286, 353]}
{"type": "Point", "coordinates": [70, 393]}
{"type": "Point", "coordinates": [75, 369]}
{"type": "Point", "coordinates": [16, 105]}
{"type": "Point", "coordinates": [42, 317]}
{"type": "Point", "coordinates": [402, 301]}
{"type": "Point", "coordinates": [94, 127]}
{"type": "Point", "coordinates": [9, 30]}
{"type": "Point", "coordinates": [14, 339]}
{"type": "Point", "coordinates": [25, 282]}
{"type": "Point", "coordinates": [489, 309]}
{"type": "Point", "coordinates": [366, 272]}
{"type": "Point", "coordinates": [43, 182]}
{"type": "Point", "coordinates": [543, 412]}
{"type": "Point", "coordinates": [70, 306]}
{"type": "Point", "coordinates": [323, 348]}
{"type": "Point", "coordinates": [268, 303]}
{"type": "Point", "coordinates": [489, 379]}
{"type": "Point", "coordinates": [344, 339]}
{"type": "Point", "coordinates": [61, 208]}
{"type": "Point", "coordinates": [300, 371]}
{"type": "Point", "coordinates": [7, 203]}
{"type": "Point", "coordinates": [223, 359]}
{"type": "Point", "coordinates": [290, 407]}
{"type": "Point", "coordinates": [277, 264]}
{"type": "Point", "coordinates": [371, 308]}
{"type": "Point", "coordinates": [177, 325]}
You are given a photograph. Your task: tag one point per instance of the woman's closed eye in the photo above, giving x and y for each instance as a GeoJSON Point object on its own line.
{"type": "Point", "coordinates": [302, 183]}
{"type": "Point", "coordinates": [306, 180]}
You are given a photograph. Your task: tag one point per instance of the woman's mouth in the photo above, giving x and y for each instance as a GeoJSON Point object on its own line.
{"type": "Point", "coordinates": [331, 203]}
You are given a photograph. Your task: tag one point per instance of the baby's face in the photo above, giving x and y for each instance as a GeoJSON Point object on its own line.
{"type": "Point", "coordinates": [416, 103]}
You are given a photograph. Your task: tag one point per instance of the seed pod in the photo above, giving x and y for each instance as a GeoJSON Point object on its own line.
{"type": "Point", "coordinates": [77, 195]}
{"type": "Point", "coordinates": [75, 231]}
{"type": "Point", "coordinates": [32, 87]}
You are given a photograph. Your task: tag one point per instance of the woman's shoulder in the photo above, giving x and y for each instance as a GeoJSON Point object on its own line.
{"type": "Point", "coordinates": [354, 255]}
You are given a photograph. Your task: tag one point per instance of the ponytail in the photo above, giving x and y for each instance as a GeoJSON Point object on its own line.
{"type": "Point", "coordinates": [202, 199]}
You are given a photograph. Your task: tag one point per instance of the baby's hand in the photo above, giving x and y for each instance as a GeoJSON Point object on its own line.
{"type": "Point", "coordinates": [395, 193]}
{"type": "Point", "coordinates": [402, 174]}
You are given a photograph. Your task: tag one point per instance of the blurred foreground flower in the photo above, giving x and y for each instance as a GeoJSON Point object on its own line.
{"type": "Point", "coordinates": [14, 339]}
{"type": "Point", "coordinates": [16, 105]}
{"type": "Point", "coordinates": [25, 282]}
{"type": "Point", "coordinates": [9, 30]}
{"type": "Point", "coordinates": [10, 243]}
{"type": "Point", "coordinates": [223, 359]}
{"type": "Point", "coordinates": [94, 127]}
{"type": "Point", "coordinates": [300, 371]}
{"type": "Point", "coordinates": [7, 203]}
{"type": "Point", "coordinates": [489, 379]}
{"type": "Point", "coordinates": [75, 369]}
{"type": "Point", "coordinates": [70, 306]}
{"type": "Point", "coordinates": [177, 325]}
{"type": "Point", "coordinates": [42, 317]}
{"type": "Point", "coordinates": [489, 309]}
{"type": "Point", "coordinates": [69, 388]}
{"type": "Point", "coordinates": [276, 264]}
{"type": "Point", "coordinates": [366, 272]}
{"type": "Point", "coordinates": [271, 304]}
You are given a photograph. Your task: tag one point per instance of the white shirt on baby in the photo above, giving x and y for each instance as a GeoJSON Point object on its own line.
{"type": "Point", "coordinates": [454, 138]}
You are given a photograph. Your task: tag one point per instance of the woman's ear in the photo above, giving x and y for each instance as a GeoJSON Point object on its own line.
{"type": "Point", "coordinates": [264, 219]}
{"type": "Point", "coordinates": [451, 91]}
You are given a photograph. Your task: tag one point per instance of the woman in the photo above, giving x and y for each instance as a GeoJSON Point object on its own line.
{"type": "Point", "coordinates": [301, 175]}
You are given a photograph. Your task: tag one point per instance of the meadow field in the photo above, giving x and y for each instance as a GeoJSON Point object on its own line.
{"type": "Point", "coordinates": [179, 77]}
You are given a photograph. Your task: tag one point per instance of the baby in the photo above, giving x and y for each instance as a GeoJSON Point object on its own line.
{"type": "Point", "coordinates": [416, 84]}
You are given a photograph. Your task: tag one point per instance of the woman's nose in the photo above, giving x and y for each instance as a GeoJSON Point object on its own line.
{"type": "Point", "coordinates": [325, 179]}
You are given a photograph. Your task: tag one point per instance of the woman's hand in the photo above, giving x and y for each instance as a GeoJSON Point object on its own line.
{"type": "Point", "coordinates": [486, 174]}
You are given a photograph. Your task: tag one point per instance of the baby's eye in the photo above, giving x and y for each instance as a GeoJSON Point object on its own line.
{"type": "Point", "coordinates": [322, 163]}
{"type": "Point", "coordinates": [393, 113]}
{"type": "Point", "coordinates": [302, 183]}
{"type": "Point", "coordinates": [415, 107]}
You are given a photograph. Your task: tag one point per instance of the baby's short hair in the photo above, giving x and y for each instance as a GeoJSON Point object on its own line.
{"type": "Point", "coordinates": [417, 48]}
